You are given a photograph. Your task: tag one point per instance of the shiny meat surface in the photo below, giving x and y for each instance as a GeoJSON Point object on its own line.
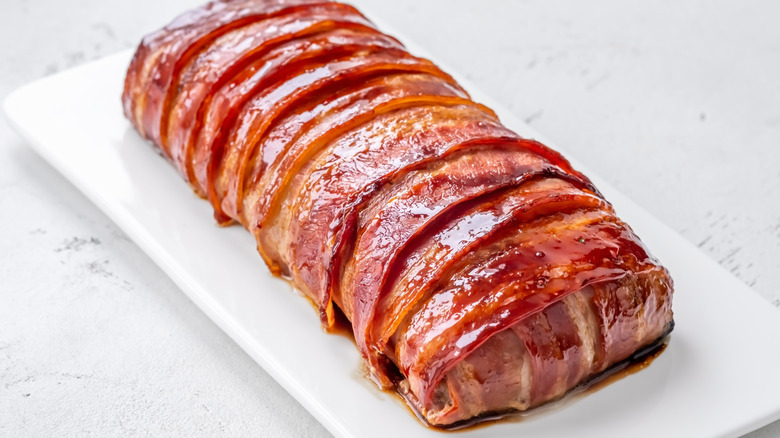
{"type": "Point", "coordinates": [480, 272]}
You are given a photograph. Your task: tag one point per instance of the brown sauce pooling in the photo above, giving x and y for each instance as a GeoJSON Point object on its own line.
{"type": "Point", "coordinates": [341, 325]}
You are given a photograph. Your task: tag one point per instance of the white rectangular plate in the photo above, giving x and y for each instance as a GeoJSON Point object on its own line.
{"type": "Point", "coordinates": [718, 377]}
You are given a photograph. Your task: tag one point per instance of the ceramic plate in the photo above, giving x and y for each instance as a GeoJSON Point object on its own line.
{"type": "Point", "coordinates": [717, 377]}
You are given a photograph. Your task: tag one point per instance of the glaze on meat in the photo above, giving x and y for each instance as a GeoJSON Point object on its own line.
{"type": "Point", "coordinates": [480, 272]}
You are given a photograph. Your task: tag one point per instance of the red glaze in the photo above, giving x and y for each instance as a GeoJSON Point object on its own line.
{"type": "Point", "coordinates": [357, 167]}
{"type": "Point", "coordinates": [225, 58]}
{"type": "Point", "coordinates": [436, 254]}
{"type": "Point", "coordinates": [414, 206]}
{"type": "Point", "coordinates": [523, 275]}
{"type": "Point", "coordinates": [339, 142]}
{"type": "Point", "coordinates": [277, 74]}
{"type": "Point", "coordinates": [370, 84]}
{"type": "Point", "coordinates": [162, 55]}
{"type": "Point", "coordinates": [272, 181]}
{"type": "Point", "coordinates": [259, 113]}
{"type": "Point", "coordinates": [479, 270]}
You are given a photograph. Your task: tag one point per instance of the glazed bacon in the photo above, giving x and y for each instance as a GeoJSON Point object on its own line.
{"type": "Point", "coordinates": [480, 272]}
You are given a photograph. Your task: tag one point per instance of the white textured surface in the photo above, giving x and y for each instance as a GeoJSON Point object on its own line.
{"type": "Point", "coordinates": [674, 102]}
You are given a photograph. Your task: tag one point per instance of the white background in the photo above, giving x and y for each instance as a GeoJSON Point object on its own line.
{"type": "Point", "coordinates": [677, 103]}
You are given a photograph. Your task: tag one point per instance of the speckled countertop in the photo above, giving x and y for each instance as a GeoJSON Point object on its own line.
{"type": "Point", "coordinates": [675, 102]}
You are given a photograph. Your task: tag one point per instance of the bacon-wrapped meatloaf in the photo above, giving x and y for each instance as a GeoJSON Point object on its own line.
{"type": "Point", "coordinates": [479, 271]}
